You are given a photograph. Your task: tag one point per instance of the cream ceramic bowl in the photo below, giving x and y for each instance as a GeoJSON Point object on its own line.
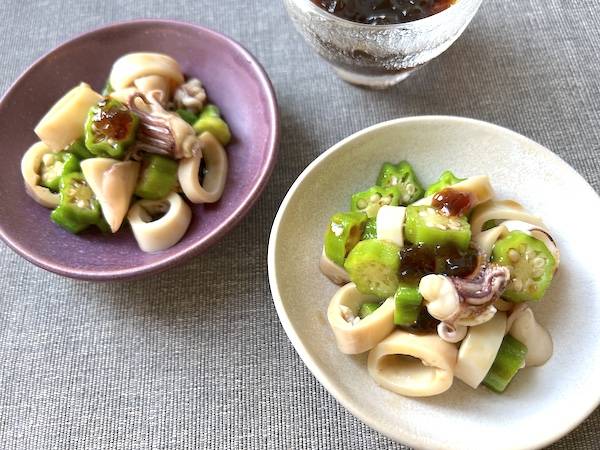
{"type": "Point", "coordinates": [541, 404]}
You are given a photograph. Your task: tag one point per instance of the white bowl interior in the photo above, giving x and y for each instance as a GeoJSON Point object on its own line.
{"type": "Point", "coordinates": [541, 404]}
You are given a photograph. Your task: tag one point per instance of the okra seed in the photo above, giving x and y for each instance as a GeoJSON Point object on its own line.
{"type": "Point", "coordinates": [530, 285]}
{"type": "Point", "coordinates": [375, 198]}
{"type": "Point", "coordinates": [440, 226]}
{"type": "Point", "coordinates": [537, 272]}
{"type": "Point", "coordinates": [386, 200]}
{"type": "Point", "coordinates": [362, 204]}
{"type": "Point", "coordinates": [513, 255]}
{"type": "Point", "coordinates": [517, 284]}
{"type": "Point", "coordinates": [539, 262]}
{"type": "Point", "coordinates": [394, 180]}
{"type": "Point", "coordinates": [422, 214]}
{"type": "Point", "coordinates": [529, 255]}
{"type": "Point", "coordinates": [410, 189]}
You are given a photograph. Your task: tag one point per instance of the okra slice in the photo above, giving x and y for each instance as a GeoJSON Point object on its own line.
{"type": "Point", "coordinates": [425, 225]}
{"type": "Point", "coordinates": [367, 309]}
{"type": "Point", "coordinates": [372, 199]}
{"type": "Point", "coordinates": [110, 128]}
{"type": "Point", "coordinates": [54, 166]}
{"type": "Point", "coordinates": [157, 178]}
{"type": "Point", "coordinates": [370, 230]}
{"type": "Point", "coordinates": [402, 177]}
{"type": "Point", "coordinates": [510, 358]}
{"type": "Point", "coordinates": [210, 120]}
{"type": "Point", "coordinates": [78, 207]}
{"type": "Point", "coordinates": [408, 304]}
{"type": "Point", "coordinates": [79, 149]}
{"type": "Point", "coordinates": [373, 266]}
{"type": "Point", "coordinates": [531, 266]}
{"type": "Point", "coordinates": [447, 178]}
{"type": "Point", "coordinates": [188, 116]}
{"type": "Point", "coordinates": [344, 231]}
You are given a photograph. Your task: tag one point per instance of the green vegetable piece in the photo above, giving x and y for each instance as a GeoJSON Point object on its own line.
{"type": "Point", "coordinates": [188, 116]}
{"type": "Point", "coordinates": [107, 89]}
{"type": "Point", "coordinates": [509, 360]}
{"type": "Point", "coordinates": [373, 266]}
{"type": "Point", "coordinates": [157, 178]}
{"type": "Point", "coordinates": [372, 199]}
{"type": "Point", "coordinates": [367, 309]}
{"type": "Point", "coordinates": [110, 128]}
{"type": "Point", "coordinates": [210, 120]}
{"type": "Point", "coordinates": [54, 166]}
{"type": "Point", "coordinates": [408, 304]}
{"type": "Point", "coordinates": [402, 177]}
{"type": "Point", "coordinates": [79, 149]}
{"type": "Point", "coordinates": [425, 225]}
{"type": "Point", "coordinates": [447, 178]}
{"type": "Point", "coordinates": [78, 207]}
{"type": "Point", "coordinates": [370, 230]}
{"type": "Point", "coordinates": [344, 231]}
{"type": "Point", "coordinates": [531, 266]}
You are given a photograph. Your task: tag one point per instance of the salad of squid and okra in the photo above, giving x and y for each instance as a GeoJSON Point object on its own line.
{"type": "Point", "coordinates": [129, 152]}
{"type": "Point", "coordinates": [436, 282]}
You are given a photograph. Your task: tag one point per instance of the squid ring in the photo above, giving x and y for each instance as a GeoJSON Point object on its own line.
{"type": "Point", "coordinates": [352, 334]}
{"type": "Point", "coordinates": [160, 234]}
{"type": "Point", "coordinates": [413, 365]}
{"type": "Point", "coordinates": [501, 210]}
{"type": "Point", "coordinates": [132, 66]}
{"type": "Point", "coordinates": [215, 159]}
{"type": "Point", "coordinates": [30, 165]}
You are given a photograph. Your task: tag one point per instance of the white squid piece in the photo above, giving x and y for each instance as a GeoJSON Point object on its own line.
{"type": "Point", "coordinates": [148, 72]}
{"type": "Point", "coordinates": [113, 183]}
{"type": "Point", "coordinates": [478, 350]}
{"type": "Point", "coordinates": [164, 232]}
{"type": "Point", "coordinates": [30, 167]}
{"type": "Point", "coordinates": [66, 119]}
{"type": "Point", "coordinates": [486, 239]}
{"type": "Point", "coordinates": [331, 270]}
{"type": "Point", "coordinates": [535, 337]}
{"type": "Point", "coordinates": [390, 224]}
{"type": "Point", "coordinates": [215, 160]}
{"type": "Point", "coordinates": [352, 334]}
{"type": "Point", "coordinates": [413, 365]}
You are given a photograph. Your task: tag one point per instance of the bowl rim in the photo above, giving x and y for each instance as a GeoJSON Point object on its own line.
{"type": "Point", "coordinates": [225, 226]}
{"type": "Point", "coordinates": [434, 18]}
{"type": "Point", "coordinates": [401, 436]}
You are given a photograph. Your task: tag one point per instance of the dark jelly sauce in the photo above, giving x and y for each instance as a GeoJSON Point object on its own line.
{"type": "Point", "coordinates": [383, 12]}
{"type": "Point", "coordinates": [420, 260]}
{"type": "Point", "coordinates": [451, 202]}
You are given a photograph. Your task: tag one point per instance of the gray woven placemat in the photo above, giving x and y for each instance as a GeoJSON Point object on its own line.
{"type": "Point", "coordinates": [195, 357]}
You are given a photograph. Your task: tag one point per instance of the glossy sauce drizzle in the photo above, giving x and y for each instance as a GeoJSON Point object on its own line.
{"type": "Point", "coordinates": [114, 123]}
{"type": "Point", "coordinates": [451, 202]}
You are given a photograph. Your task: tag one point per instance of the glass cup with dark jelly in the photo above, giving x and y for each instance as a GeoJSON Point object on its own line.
{"type": "Point", "coordinates": [378, 43]}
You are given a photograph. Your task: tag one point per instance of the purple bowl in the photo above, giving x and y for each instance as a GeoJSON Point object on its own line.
{"type": "Point", "coordinates": [234, 81]}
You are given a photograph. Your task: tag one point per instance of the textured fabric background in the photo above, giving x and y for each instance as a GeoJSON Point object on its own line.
{"type": "Point", "coordinates": [195, 357]}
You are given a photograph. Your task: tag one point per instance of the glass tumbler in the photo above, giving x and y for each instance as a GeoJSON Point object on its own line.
{"type": "Point", "coordinates": [379, 56]}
